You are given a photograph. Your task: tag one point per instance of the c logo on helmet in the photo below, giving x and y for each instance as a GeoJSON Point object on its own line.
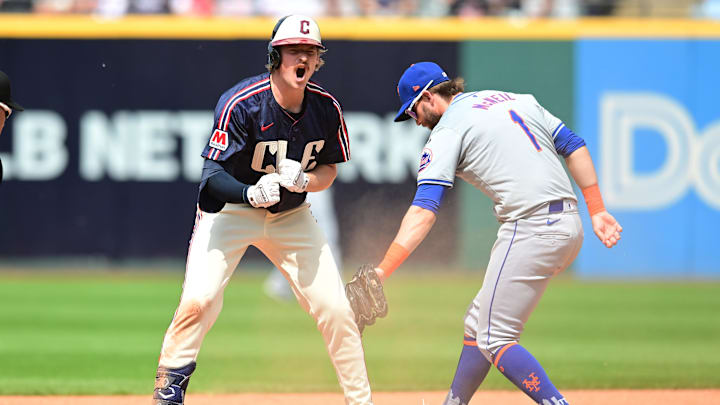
{"type": "Point", "coordinates": [304, 24]}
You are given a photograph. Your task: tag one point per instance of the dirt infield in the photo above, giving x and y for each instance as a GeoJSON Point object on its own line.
{"type": "Point", "coordinates": [589, 397]}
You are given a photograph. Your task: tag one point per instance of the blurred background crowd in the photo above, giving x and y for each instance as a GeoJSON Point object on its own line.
{"type": "Point", "coordinates": [417, 8]}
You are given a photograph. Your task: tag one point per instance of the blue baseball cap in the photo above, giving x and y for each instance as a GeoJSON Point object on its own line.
{"type": "Point", "coordinates": [416, 79]}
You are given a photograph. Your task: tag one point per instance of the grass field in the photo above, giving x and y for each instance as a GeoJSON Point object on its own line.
{"type": "Point", "coordinates": [100, 333]}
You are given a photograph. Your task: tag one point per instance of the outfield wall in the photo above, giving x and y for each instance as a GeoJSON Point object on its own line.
{"type": "Point", "coordinates": [106, 159]}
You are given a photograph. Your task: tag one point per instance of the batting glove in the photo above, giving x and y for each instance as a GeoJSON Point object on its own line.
{"type": "Point", "coordinates": [292, 176]}
{"type": "Point", "coordinates": [265, 192]}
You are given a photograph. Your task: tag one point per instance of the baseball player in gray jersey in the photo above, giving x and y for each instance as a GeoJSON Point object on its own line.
{"type": "Point", "coordinates": [507, 145]}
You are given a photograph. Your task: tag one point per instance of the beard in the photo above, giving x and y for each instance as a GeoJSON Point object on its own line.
{"type": "Point", "coordinates": [431, 118]}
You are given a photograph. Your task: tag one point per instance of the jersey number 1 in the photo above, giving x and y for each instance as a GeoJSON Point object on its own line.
{"type": "Point", "coordinates": [518, 120]}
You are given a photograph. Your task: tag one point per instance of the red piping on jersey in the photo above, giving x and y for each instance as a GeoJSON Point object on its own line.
{"type": "Point", "coordinates": [342, 132]}
{"type": "Point", "coordinates": [227, 111]}
{"type": "Point", "coordinates": [295, 121]}
{"type": "Point", "coordinates": [260, 90]}
{"type": "Point", "coordinates": [344, 141]}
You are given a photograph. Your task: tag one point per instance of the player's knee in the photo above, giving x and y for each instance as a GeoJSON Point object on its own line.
{"type": "Point", "coordinates": [491, 344]}
{"type": "Point", "coordinates": [486, 353]}
{"type": "Point", "coordinates": [490, 349]}
{"type": "Point", "coordinates": [190, 312]}
{"type": "Point", "coordinates": [328, 314]}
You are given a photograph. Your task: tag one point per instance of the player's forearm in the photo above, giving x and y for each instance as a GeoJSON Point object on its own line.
{"type": "Point", "coordinates": [583, 172]}
{"type": "Point", "coordinates": [321, 177]}
{"type": "Point", "coordinates": [414, 228]}
{"type": "Point", "coordinates": [581, 168]}
{"type": "Point", "coordinates": [226, 188]}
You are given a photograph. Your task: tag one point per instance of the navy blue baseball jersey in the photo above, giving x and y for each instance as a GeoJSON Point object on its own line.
{"type": "Point", "coordinates": [253, 133]}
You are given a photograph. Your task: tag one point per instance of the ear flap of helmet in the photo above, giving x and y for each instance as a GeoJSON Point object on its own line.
{"type": "Point", "coordinates": [273, 57]}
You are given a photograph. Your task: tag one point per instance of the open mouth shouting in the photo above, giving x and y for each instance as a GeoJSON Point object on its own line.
{"type": "Point", "coordinates": [300, 72]}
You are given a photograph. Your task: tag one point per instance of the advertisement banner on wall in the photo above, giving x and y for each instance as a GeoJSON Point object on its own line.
{"type": "Point", "coordinates": [648, 112]}
{"type": "Point", "coordinates": [105, 160]}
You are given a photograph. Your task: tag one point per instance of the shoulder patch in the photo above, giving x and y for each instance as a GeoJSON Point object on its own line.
{"type": "Point", "coordinates": [219, 140]}
{"type": "Point", "coordinates": [425, 159]}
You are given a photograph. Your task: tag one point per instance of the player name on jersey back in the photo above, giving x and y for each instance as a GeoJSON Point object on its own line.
{"type": "Point", "coordinates": [492, 100]}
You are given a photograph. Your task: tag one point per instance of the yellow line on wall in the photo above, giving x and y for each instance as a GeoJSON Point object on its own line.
{"type": "Point", "coordinates": [358, 29]}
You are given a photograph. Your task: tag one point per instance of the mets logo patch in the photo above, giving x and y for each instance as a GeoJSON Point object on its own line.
{"type": "Point", "coordinates": [425, 159]}
{"type": "Point", "coordinates": [219, 140]}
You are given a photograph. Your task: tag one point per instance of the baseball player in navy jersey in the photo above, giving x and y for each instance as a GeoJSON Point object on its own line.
{"type": "Point", "coordinates": [7, 105]}
{"type": "Point", "coordinates": [322, 208]}
{"type": "Point", "coordinates": [276, 137]}
{"type": "Point", "coordinates": [508, 146]}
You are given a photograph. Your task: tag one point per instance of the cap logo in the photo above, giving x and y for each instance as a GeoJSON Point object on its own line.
{"type": "Point", "coordinates": [296, 29]}
{"type": "Point", "coordinates": [415, 88]}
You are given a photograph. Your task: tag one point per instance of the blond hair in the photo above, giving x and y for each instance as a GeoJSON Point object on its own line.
{"type": "Point", "coordinates": [449, 88]}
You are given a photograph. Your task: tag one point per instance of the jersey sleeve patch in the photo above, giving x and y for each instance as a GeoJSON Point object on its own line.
{"type": "Point", "coordinates": [223, 144]}
{"type": "Point", "coordinates": [425, 159]}
{"type": "Point", "coordinates": [439, 158]}
{"type": "Point", "coordinates": [219, 140]}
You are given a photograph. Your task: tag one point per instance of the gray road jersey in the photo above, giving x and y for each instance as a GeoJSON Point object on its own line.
{"type": "Point", "coordinates": [503, 144]}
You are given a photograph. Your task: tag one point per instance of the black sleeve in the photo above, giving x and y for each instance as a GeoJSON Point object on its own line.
{"type": "Point", "coordinates": [226, 188]}
{"type": "Point", "coordinates": [219, 187]}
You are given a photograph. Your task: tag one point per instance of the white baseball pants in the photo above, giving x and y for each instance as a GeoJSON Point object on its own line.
{"type": "Point", "coordinates": [293, 241]}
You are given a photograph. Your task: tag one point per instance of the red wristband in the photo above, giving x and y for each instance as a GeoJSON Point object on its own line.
{"type": "Point", "coordinates": [394, 257]}
{"type": "Point", "coordinates": [593, 199]}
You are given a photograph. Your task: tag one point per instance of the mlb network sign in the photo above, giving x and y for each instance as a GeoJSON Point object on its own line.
{"type": "Point", "coordinates": [648, 111]}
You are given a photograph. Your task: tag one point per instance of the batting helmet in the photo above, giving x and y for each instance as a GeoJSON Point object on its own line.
{"type": "Point", "coordinates": [290, 30]}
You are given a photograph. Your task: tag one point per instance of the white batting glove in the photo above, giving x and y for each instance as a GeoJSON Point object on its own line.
{"type": "Point", "coordinates": [265, 192]}
{"type": "Point", "coordinates": [292, 176]}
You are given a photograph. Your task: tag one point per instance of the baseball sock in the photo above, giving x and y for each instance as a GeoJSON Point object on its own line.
{"type": "Point", "coordinates": [471, 370]}
{"type": "Point", "coordinates": [521, 368]}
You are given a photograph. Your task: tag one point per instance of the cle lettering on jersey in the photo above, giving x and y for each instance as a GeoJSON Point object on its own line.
{"type": "Point", "coordinates": [490, 101]}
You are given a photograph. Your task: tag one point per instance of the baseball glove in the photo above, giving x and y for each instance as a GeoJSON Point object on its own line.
{"type": "Point", "coordinates": [366, 296]}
